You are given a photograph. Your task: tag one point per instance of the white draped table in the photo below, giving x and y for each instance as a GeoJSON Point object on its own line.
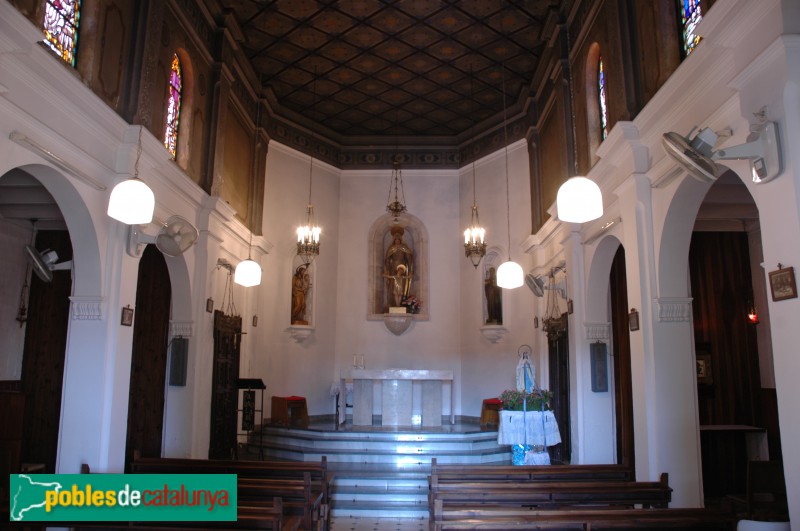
{"type": "Point", "coordinates": [397, 395]}
{"type": "Point", "coordinates": [518, 427]}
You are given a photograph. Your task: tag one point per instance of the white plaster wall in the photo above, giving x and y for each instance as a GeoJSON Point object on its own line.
{"type": "Point", "coordinates": [289, 367]}
{"type": "Point", "coordinates": [490, 368]}
{"type": "Point", "coordinates": [13, 268]}
{"type": "Point", "coordinates": [431, 196]}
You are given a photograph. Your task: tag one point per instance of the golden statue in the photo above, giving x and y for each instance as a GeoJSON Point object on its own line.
{"type": "Point", "coordinates": [398, 279]}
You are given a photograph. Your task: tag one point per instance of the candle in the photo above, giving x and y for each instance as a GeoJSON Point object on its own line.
{"type": "Point", "coordinates": [355, 363]}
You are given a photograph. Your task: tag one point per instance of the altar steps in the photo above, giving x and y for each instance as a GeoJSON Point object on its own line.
{"type": "Point", "coordinates": [394, 447]}
{"type": "Point", "coordinates": [380, 472]}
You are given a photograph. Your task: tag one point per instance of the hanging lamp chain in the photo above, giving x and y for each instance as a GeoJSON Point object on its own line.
{"type": "Point", "coordinates": [505, 140]}
{"type": "Point", "coordinates": [138, 154]}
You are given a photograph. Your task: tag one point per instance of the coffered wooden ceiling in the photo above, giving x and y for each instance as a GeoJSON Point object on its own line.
{"type": "Point", "coordinates": [371, 70]}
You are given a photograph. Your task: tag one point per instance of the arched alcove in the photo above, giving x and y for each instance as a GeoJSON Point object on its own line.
{"type": "Point", "coordinates": [415, 236]}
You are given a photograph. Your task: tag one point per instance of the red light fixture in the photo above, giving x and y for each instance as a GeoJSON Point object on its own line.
{"type": "Point", "coordinates": [752, 315]}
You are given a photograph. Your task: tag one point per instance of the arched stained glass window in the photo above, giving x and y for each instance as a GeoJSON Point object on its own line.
{"type": "Point", "coordinates": [173, 106]}
{"type": "Point", "coordinates": [60, 27]}
{"type": "Point", "coordinates": [691, 14]}
{"type": "Point", "coordinates": [601, 97]}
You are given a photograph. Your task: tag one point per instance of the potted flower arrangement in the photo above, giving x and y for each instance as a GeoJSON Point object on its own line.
{"type": "Point", "coordinates": [536, 400]}
{"type": "Point", "coordinates": [412, 304]}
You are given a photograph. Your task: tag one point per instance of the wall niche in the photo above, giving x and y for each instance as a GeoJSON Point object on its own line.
{"type": "Point", "coordinates": [413, 239]}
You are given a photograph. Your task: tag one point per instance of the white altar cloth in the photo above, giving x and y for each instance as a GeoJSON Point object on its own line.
{"type": "Point", "coordinates": [513, 428]}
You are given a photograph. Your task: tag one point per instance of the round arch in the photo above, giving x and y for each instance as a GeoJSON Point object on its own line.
{"type": "Point", "coordinates": [87, 272]}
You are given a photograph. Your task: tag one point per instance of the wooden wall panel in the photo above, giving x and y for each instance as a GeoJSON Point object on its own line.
{"type": "Point", "coordinates": [149, 356]}
{"type": "Point", "coordinates": [721, 286]}
{"type": "Point", "coordinates": [43, 360]}
{"type": "Point", "coordinates": [553, 151]}
{"type": "Point", "coordinates": [237, 165]}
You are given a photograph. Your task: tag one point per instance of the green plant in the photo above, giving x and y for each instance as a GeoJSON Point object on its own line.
{"type": "Point", "coordinates": [513, 399]}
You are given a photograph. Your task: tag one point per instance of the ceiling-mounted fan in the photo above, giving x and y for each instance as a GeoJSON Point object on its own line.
{"type": "Point", "coordinates": [174, 237]}
{"type": "Point", "coordinates": [697, 156]}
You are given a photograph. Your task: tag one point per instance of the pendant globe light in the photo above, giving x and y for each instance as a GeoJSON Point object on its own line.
{"type": "Point", "coordinates": [132, 202]}
{"type": "Point", "coordinates": [509, 274]}
{"type": "Point", "coordinates": [248, 272]}
{"type": "Point", "coordinates": [579, 200]}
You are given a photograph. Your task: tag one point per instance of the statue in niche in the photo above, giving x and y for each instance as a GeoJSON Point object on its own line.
{"type": "Point", "coordinates": [398, 279]}
{"type": "Point", "coordinates": [494, 298]}
{"type": "Point", "coordinates": [301, 282]}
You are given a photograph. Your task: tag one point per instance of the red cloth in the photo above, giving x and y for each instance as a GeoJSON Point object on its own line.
{"type": "Point", "coordinates": [494, 401]}
{"type": "Point", "coordinates": [294, 398]}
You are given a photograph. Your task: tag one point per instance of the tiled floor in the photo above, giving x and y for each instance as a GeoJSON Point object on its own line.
{"type": "Point", "coordinates": [378, 524]}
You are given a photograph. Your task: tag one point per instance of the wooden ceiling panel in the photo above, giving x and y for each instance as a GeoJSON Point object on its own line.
{"type": "Point", "coordinates": [411, 67]}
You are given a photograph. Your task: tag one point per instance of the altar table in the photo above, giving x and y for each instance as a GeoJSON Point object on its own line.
{"type": "Point", "coordinates": [397, 395]}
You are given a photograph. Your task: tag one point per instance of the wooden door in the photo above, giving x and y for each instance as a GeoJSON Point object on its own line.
{"type": "Point", "coordinates": [149, 356]}
{"type": "Point", "coordinates": [623, 388]}
{"type": "Point", "coordinates": [44, 351]}
{"type": "Point", "coordinates": [224, 398]}
{"type": "Point", "coordinates": [558, 346]}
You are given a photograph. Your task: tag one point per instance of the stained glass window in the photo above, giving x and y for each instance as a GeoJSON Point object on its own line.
{"type": "Point", "coordinates": [173, 106]}
{"type": "Point", "coordinates": [691, 13]}
{"type": "Point", "coordinates": [60, 27]}
{"type": "Point", "coordinates": [601, 96]}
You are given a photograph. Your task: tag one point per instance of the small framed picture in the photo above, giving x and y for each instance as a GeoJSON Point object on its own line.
{"type": "Point", "coordinates": [569, 306]}
{"type": "Point", "coordinates": [536, 321]}
{"type": "Point", "coordinates": [703, 366]}
{"type": "Point", "coordinates": [782, 283]}
{"type": "Point", "coordinates": [209, 305]}
{"type": "Point", "coordinates": [127, 316]}
{"type": "Point", "coordinates": [633, 320]}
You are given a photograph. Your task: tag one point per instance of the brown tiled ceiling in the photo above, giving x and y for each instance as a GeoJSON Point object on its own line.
{"type": "Point", "coordinates": [406, 68]}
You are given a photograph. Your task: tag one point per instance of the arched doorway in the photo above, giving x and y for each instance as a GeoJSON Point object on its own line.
{"type": "Point", "coordinates": [149, 357]}
{"type": "Point", "coordinates": [35, 315]}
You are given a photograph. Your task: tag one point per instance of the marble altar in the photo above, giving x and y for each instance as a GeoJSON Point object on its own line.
{"type": "Point", "coordinates": [397, 386]}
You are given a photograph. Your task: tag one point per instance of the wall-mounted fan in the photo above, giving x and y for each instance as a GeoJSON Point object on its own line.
{"type": "Point", "coordinates": [174, 238]}
{"type": "Point", "coordinates": [535, 283]}
{"type": "Point", "coordinates": [44, 263]}
{"type": "Point", "coordinates": [697, 155]}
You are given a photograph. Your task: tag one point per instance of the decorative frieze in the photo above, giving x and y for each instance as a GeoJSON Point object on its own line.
{"type": "Point", "coordinates": [673, 309]}
{"type": "Point", "coordinates": [180, 328]}
{"type": "Point", "coordinates": [86, 308]}
{"type": "Point", "coordinates": [598, 331]}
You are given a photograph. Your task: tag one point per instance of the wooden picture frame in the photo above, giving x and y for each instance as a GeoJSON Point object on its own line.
{"type": "Point", "coordinates": [127, 316]}
{"type": "Point", "coordinates": [633, 320]}
{"type": "Point", "coordinates": [209, 305]}
{"type": "Point", "coordinates": [704, 370]}
{"type": "Point", "coordinates": [782, 283]}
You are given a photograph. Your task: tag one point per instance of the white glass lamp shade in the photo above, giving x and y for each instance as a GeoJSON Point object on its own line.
{"type": "Point", "coordinates": [132, 202]}
{"type": "Point", "coordinates": [248, 273]}
{"type": "Point", "coordinates": [579, 200]}
{"type": "Point", "coordinates": [509, 275]}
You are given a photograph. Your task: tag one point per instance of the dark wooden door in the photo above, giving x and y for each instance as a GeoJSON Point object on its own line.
{"type": "Point", "coordinates": [558, 346]}
{"type": "Point", "coordinates": [149, 356]}
{"type": "Point", "coordinates": [43, 359]}
{"type": "Point", "coordinates": [623, 389]}
{"type": "Point", "coordinates": [224, 398]}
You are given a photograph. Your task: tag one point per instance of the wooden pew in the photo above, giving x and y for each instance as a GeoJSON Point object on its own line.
{"type": "Point", "coordinates": [548, 494]}
{"type": "Point", "coordinates": [310, 480]}
{"type": "Point", "coordinates": [447, 472]}
{"type": "Point", "coordinates": [265, 515]}
{"type": "Point", "coordinates": [594, 519]}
